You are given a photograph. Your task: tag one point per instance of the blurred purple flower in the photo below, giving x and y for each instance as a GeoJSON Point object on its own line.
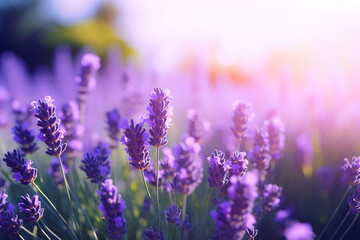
{"type": "Point", "coordinates": [113, 208]}
{"type": "Point", "coordinates": [113, 127]}
{"type": "Point", "coordinates": [54, 170]}
{"type": "Point", "coordinates": [197, 127]}
{"type": "Point", "coordinates": [9, 222]}
{"type": "Point", "coordinates": [159, 115]}
{"type": "Point", "coordinates": [352, 171]}
{"type": "Point", "coordinates": [260, 153]}
{"type": "Point", "coordinates": [217, 170]}
{"type": "Point", "coordinates": [271, 196]}
{"type": "Point", "coordinates": [251, 234]}
{"type": "Point", "coordinates": [135, 138]}
{"type": "Point", "coordinates": [3, 197]}
{"type": "Point", "coordinates": [299, 231]}
{"type": "Point", "coordinates": [305, 149]}
{"type": "Point", "coordinates": [282, 217]}
{"type": "Point", "coordinates": [90, 64]}
{"type": "Point", "coordinates": [21, 113]}
{"type": "Point", "coordinates": [173, 215]}
{"type": "Point", "coordinates": [25, 137]}
{"type": "Point", "coordinates": [3, 183]}
{"type": "Point", "coordinates": [238, 165]}
{"type": "Point", "coordinates": [325, 177]}
{"type": "Point", "coordinates": [31, 208]}
{"type": "Point", "coordinates": [50, 132]}
{"type": "Point", "coordinates": [186, 225]}
{"type": "Point", "coordinates": [146, 204]}
{"type": "Point", "coordinates": [154, 234]}
{"type": "Point", "coordinates": [243, 115]}
{"type": "Point", "coordinates": [22, 169]}
{"type": "Point", "coordinates": [189, 170]}
{"type": "Point", "coordinates": [275, 128]}
{"type": "Point", "coordinates": [168, 163]}
{"type": "Point", "coordinates": [4, 98]}
{"type": "Point", "coordinates": [354, 200]}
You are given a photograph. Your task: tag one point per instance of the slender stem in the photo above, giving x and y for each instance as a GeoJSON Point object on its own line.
{"type": "Point", "coordinates": [68, 195]}
{"type": "Point", "coordinates": [49, 230]}
{"type": "Point", "coordinates": [349, 227]}
{"type": "Point", "coordinates": [147, 189]}
{"type": "Point", "coordinates": [157, 186]}
{"type": "Point", "coordinates": [21, 236]}
{"type": "Point", "coordinates": [184, 207]}
{"type": "Point", "coordinates": [334, 213]}
{"type": "Point", "coordinates": [238, 147]}
{"type": "Point", "coordinates": [42, 230]}
{"type": "Point", "coordinates": [342, 222]}
{"type": "Point", "coordinates": [28, 232]}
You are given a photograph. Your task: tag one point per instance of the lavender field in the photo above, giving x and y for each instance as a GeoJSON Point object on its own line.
{"type": "Point", "coordinates": [113, 141]}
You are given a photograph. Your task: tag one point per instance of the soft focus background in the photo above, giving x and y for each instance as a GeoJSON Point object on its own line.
{"type": "Point", "coordinates": [299, 60]}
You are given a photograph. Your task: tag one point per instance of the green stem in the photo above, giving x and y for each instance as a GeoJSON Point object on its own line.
{"type": "Point", "coordinates": [49, 230]}
{"type": "Point", "coordinates": [334, 213]}
{"type": "Point", "coordinates": [184, 207]}
{"type": "Point", "coordinates": [157, 187]}
{"type": "Point", "coordinates": [342, 222]}
{"type": "Point", "coordinates": [30, 233]}
{"type": "Point", "coordinates": [42, 230]}
{"type": "Point", "coordinates": [147, 189]}
{"type": "Point", "coordinates": [349, 227]}
{"type": "Point", "coordinates": [68, 195]}
{"type": "Point", "coordinates": [21, 236]}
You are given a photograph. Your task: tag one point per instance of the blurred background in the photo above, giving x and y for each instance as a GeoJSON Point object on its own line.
{"type": "Point", "coordinates": [299, 60]}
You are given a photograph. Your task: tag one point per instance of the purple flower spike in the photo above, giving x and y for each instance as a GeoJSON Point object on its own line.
{"type": "Point", "coordinates": [260, 154]}
{"type": "Point", "coordinates": [298, 231]}
{"type": "Point", "coordinates": [21, 113]}
{"type": "Point", "coordinates": [31, 208]}
{"type": "Point", "coordinates": [238, 164]}
{"type": "Point", "coordinates": [275, 127]}
{"type": "Point", "coordinates": [243, 115]}
{"type": "Point", "coordinates": [3, 197]}
{"type": "Point", "coordinates": [197, 128]}
{"type": "Point", "coordinates": [22, 169]}
{"type": "Point", "coordinates": [159, 116]}
{"type": "Point", "coordinates": [354, 200]}
{"type": "Point", "coordinates": [9, 222]}
{"type": "Point", "coordinates": [113, 208]}
{"type": "Point", "coordinates": [186, 226]}
{"type": "Point", "coordinates": [25, 137]}
{"type": "Point", "coordinates": [352, 171]}
{"type": "Point", "coordinates": [271, 196]}
{"type": "Point", "coordinates": [217, 170]}
{"type": "Point", "coordinates": [189, 170]}
{"type": "Point", "coordinates": [113, 121]}
{"type": "Point", "coordinates": [50, 132]}
{"type": "Point", "coordinates": [173, 215]}
{"type": "Point", "coordinates": [154, 234]}
{"type": "Point", "coordinates": [135, 138]}
{"type": "Point", "coordinates": [90, 64]}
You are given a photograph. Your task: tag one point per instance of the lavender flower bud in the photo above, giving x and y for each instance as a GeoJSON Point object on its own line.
{"type": "Point", "coordinates": [154, 234]}
{"type": "Point", "coordinates": [31, 208]}
{"type": "Point", "coordinates": [3, 197]}
{"type": "Point", "coordinates": [305, 149]}
{"type": "Point", "coordinates": [251, 234]}
{"type": "Point", "coordinates": [354, 200]}
{"type": "Point", "coordinates": [217, 170]}
{"type": "Point", "coordinates": [21, 113]}
{"type": "Point", "coordinates": [173, 215]}
{"type": "Point", "coordinates": [243, 115]}
{"type": "Point", "coordinates": [271, 196]}
{"type": "Point", "coordinates": [352, 171]}
{"type": "Point", "coordinates": [25, 137]}
{"type": "Point", "coordinates": [113, 208]}
{"type": "Point", "coordinates": [22, 169]}
{"type": "Point", "coordinates": [113, 121]}
{"type": "Point", "coordinates": [49, 123]}
{"type": "Point", "coordinates": [135, 138]}
{"type": "Point", "coordinates": [275, 128]}
{"type": "Point", "coordinates": [260, 154]}
{"type": "Point", "coordinates": [9, 222]}
{"type": "Point", "coordinates": [238, 164]}
{"type": "Point", "coordinates": [197, 127]}
{"type": "Point", "coordinates": [298, 231]}
{"type": "Point", "coordinates": [159, 116]}
{"type": "Point", "coordinates": [168, 163]}
{"type": "Point", "coordinates": [186, 226]}
{"type": "Point", "coordinates": [90, 64]}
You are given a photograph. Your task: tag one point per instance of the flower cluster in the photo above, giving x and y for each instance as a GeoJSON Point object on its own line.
{"type": "Point", "coordinates": [25, 137]}
{"type": "Point", "coordinates": [154, 234]}
{"type": "Point", "coordinates": [354, 200]}
{"type": "Point", "coordinates": [9, 222]}
{"type": "Point", "coordinates": [260, 154]}
{"type": "Point", "coordinates": [173, 215]}
{"type": "Point", "coordinates": [243, 115]}
{"type": "Point", "coordinates": [50, 132]}
{"type": "Point", "coordinates": [275, 128]}
{"type": "Point", "coordinates": [22, 169]}
{"type": "Point", "coordinates": [352, 171]}
{"type": "Point", "coordinates": [217, 170]}
{"type": "Point", "coordinates": [31, 208]}
{"type": "Point", "coordinates": [271, 196]}
{"type": "Point", "coordinates": [238, 165]}
{"type": "Point", "coordinates": [113, 126]}
{"type": "Point", "coordinates": [197, 128]}
{"type": "Point", "coordinates": [159, 119]}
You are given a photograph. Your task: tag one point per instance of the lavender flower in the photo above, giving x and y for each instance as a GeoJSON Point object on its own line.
{"type": "Point", "coordinates": [243, 115]}
{"type": "Point", "coordinates": [150, 176]}
{"type": "Point", "coordinates": [146, 204]}
{"type": "Point", "coordinates": [90, 64]}
{"type": "Point", "coordinates": [173, 215]}
{"type": "Point", "coordinates": [21, 113]}
{"type": "Point", "coordinates": [234, 216]}
{"type": "Point", "coordinates": [354, 200]}
{"type": "Point", "coordinates": [31, 208]}
{"type": "Point", "coordinates": [168, 163]}
{"type": "Point", "coordinates": [275, 128]}
{"type": "Point", "coordinates": [113, 122]}
{"type": "Point", "coordinates": [3, 197]}
{"type": "Point", "coordinates": [197, 127]}
{"type": "Point", "coordinates": [4, 98]}
{"type": "Point", "coordinates": [189, 170]}
{"type": "Point", "coordinates": [22, 169]}
{"type": "Point", "coordinates": [159, 116]}
{"type": "Point", "coordinates": [271, 196]}
{"type": "Point", "coordinates": [113, 208]}
{"type": "Point", "coordinates": [238, 164]}
{"type": "Point", "coordinates": [305, 149]}
{"type": "Point", "coordinates": [217, 170]}
{"type": "Point", "coordinates": [299, 231]}
{"type": "Point", "coordinates": [135, 138]}
{"type": "Point", "coordinates": [154, 234]}
{"type": "Point", "coordinates": [186, 226]}
{"type": "Point", "coordinates": [9, 222]}
{"type": "Point", "coordinates": [49, 123]}
{"type": "Point", "coordinates": [352, 171]}
{"type": "Point", "coordinates": [260, 154]}
{"type": "Point", "coordinates": [251, 234]}
{"type": "Point", "coordinates": [54, 170]}
{"type": "Point", "coordinates": [25, 138]}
